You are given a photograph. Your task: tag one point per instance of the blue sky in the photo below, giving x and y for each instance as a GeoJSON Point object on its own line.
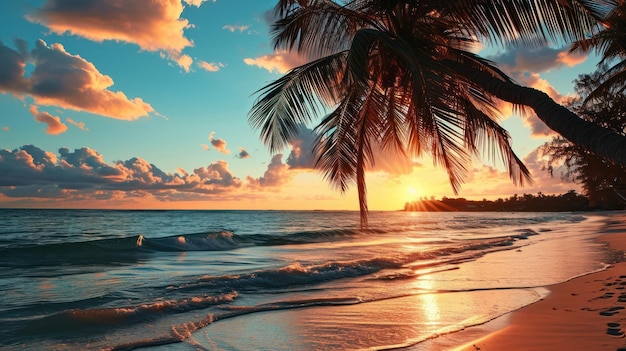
{"type": "Point", "coordinates": [144, 104]}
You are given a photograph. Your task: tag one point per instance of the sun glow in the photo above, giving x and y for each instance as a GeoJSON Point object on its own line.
{"type": "Point", "coordinates": [412, 193]}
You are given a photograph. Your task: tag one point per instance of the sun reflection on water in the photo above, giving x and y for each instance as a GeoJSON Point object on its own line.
{"type": "Point", "coordinates": [430, 302]}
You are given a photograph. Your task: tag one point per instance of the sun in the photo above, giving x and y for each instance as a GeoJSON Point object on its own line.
{"type": "Point", "coordinates": [412, 193]}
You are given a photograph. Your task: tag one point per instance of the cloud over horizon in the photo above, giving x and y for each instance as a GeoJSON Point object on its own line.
{"type": "Point", "coordinates": [64, 80]}
{"type": "Point", "coordinates": [29, 174]}
{"type": "Point", "coordinates": [32, 172]}
{"type": "Point", "coordinates": [277, 174]}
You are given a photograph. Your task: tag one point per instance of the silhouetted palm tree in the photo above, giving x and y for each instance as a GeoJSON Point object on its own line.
{"type": "Point", "coordinates": [401, 75]}
{"type": "Point", "coordinates": [610, 42]}
{"type": "Point", "coordinates": [600, 179]}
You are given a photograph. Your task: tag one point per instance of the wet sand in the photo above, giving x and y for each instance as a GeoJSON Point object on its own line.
{"type": "Point", "coordinates": [586, 313]}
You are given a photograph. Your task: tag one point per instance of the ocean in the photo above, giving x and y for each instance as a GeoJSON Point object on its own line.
{"type": "Point", "coordinates": [275, 280]}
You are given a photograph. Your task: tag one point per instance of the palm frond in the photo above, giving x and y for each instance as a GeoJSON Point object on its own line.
{"type": "Point", "coordinates": [530, 22]}
{"type": "Point", "coordinates": [335, 147]}
{"type": "Point", "coordinates": [392, 124]}
{"type": "Point", "coordinates": [486, 137]}
{"type": "Point", "coordinates": [613, 80]}
{"type": "Point", "coordinates": [392, 72]}
{"type": "Point", "coordinates": [319, 29]}
{"type": "Point", "coordinates": [296, 99]}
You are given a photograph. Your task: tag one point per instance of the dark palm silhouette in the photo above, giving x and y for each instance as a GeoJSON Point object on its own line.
{"type": "Point", "coordinates": [602, 181]}
{"type": "Point", "coordinates": [610, 42]}
{"type": "Point", "coordinates": [401, 75]}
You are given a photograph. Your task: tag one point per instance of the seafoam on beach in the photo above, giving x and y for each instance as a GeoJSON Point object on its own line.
{"type": "Point", "coordinates": [276, 280]}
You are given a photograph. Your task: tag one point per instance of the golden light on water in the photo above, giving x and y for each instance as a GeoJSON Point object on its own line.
{"type": "Point", "coordinates": [430, 303]}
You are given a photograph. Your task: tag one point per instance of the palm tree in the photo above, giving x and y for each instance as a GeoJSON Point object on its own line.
{"type": "Point", "coordinates": [610, 42]}
{"type": "Point", "coordinates": [400, 75]}
{"type": "Point", "coordinates": [600, 180]}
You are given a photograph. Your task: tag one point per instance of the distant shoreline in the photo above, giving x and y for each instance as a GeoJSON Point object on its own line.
{"type": "Point", "coordinates": [569, 202]}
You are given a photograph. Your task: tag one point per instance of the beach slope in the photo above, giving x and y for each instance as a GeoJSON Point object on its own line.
{"type": "Point", "coordinates": [585, 313]}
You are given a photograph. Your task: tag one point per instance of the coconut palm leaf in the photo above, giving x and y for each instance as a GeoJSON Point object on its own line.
{"type": "Point", "coordinates": [608, 40]}
{"type": "Point", "coordinates": [400, 75]}
{"type": "Point", "coordinates": [295, 99]}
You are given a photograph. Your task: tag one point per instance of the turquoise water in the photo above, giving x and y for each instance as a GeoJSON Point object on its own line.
{"type": "Point", "coordinates": [273, 280]}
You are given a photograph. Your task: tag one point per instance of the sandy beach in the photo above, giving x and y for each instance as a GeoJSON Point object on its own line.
{"type": "Point", "coordinates": [585, 313]}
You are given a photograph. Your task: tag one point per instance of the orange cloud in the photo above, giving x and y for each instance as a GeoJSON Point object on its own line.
{"type": "Point", "coordinates": [280, 62]}
{"type": "Point", "coordinates": [218, 144]}
{"type": "Point", "coordinates": [571, 59]}
{"type": "Point", "coordinates": [34, 177]}
{"type": "Point", "coordinates": [55, 126]}
{"type": "Point", "coordinates": [536, 60]}
{"type": "Point", "coordinates": [29, 172]}
{"type": "Point", "coordinates": [65, 80]}
{"type": "Point", "coordinates": [216, 174]}
{"type": "Point", "coordinates": [210, 66]}
{"type": "Point", "coordinates": [491, 183]}
{"type": "Point", "coordinates": [79, 125]}
{"type": "Point", "coordinates": [154, 25]}
{"type": "Point", "coordinates": [277, 174]}
{"type": "Point", "coordinates": [184, 61]}
{"type": "Point", "coordinates": [534, 80]}
{"type": "Point", "coordinates": [523, 65]}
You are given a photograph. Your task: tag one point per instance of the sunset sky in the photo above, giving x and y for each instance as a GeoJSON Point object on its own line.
{"type": "Point", "coordinates": [144, 104]}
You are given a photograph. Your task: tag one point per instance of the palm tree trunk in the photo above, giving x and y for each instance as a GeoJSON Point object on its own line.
{"type": "Point", "coordinates": [601, 141]}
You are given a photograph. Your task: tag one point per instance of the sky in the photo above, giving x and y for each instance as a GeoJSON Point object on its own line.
{"type": "Point", "coordinates": [144, 104]}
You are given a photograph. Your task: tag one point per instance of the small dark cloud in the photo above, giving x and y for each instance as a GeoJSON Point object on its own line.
{"type": "Point", "coordinates": [302, 150]}
{"type": "Point", "coordinates": [218, 144]}
{"type": "Point", "coordinates": [243, 153]}
{"type": "Point", "coordinates": [12, 70]}
{"type": "Point", "coordinates": [517, 60]}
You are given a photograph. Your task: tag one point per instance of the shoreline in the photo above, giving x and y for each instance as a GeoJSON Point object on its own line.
{"type": "Point", "coordinates": [584, 313]}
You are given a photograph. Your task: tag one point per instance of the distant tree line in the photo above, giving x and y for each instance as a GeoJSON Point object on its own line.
{"type": "Point", "coordinates": [570, 201]}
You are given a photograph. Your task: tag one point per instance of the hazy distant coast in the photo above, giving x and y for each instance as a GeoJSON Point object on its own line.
{"type": "Point", "coordinates": [570, 201]}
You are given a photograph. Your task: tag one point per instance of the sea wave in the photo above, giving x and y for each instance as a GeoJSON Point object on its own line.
{"type": "Point", "coordinates": [132, 248]}
{"type": "Point", "coordinates": [298, 274]}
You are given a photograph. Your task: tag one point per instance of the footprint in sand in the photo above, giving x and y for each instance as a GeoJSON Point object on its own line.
{"type": "Point", "coordinates": [614, 329]}
{"type": "Point", "coordinates": [607, 295]}
{"type": "Point", "coordinates": [611, 311]}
